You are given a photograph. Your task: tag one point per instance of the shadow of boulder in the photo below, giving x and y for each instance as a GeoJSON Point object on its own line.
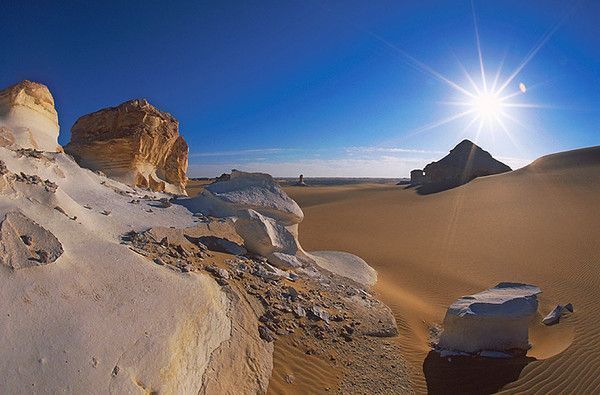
{"type": "Point", "coordinates": [470, 375]}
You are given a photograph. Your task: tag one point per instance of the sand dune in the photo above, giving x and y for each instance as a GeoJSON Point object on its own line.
{"type": "Point", "coordinates": [540, 225]}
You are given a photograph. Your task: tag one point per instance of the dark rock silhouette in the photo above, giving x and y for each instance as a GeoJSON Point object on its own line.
{"type": "Point", "coordinates": [300, 182]}
{"type": "Point", "coordinates": [465, 162]}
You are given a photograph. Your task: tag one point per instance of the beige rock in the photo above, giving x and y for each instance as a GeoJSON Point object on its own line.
{"type": "Point", "coordinates": [28, 118]}
{"type": "Point", "coordinates": [134, 143]}
{"type": "Point", "coordinates": [24, 243]}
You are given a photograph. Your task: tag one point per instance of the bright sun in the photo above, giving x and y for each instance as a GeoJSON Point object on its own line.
{"type": "Point", "coordinates": [487, 106]}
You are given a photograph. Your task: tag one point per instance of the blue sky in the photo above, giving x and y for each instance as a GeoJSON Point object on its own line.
{"type": "Point", "coordinates": [340, 88]}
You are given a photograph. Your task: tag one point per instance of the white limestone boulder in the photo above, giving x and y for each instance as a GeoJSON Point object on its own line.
{"type": "Point", "coordinates": [28, 118]}
{"type": "Point", "coordinates": [346, 265]}
{"type": "Point", "coordinates": [265, 216]}
{"type": "Point", "coordinates": [265, 236]}
{"type": "Point", "coordinates": [244, 191]}
{"type": "Point", "coordinates": [496, 319]}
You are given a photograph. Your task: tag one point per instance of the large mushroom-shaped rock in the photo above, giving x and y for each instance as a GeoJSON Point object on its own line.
{"type": "Point", "coordinates": [465, 162]}
{"type": "Point", "coordinates": [495, 320]}
{"type": "Point", "coordinates": [243, 191]}
{"type": "Point", "coordinates": [24, 243]}
{"type": "Point", "coordinates": [265, 216]}
{"type": "Point", "coordinates": [28, 118]}
{"type": "Point", "coordinates": [134, 143]}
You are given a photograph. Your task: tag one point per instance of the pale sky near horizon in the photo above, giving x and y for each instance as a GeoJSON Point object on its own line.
{"type": "Point", "coordinates": [323, 88]}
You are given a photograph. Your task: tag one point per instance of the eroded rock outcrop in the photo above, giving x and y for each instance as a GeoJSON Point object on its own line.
{"type": "Point", "coordinates": [28, 118]}
{"type": "Point", "coordinates": [134, 143]}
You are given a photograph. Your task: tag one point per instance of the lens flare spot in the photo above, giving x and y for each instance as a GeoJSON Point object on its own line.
{"type": "Point", "coordinates": [522, 87]}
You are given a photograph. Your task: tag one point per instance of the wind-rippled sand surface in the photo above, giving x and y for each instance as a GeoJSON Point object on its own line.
{"type": "Point", "coordinates": [539, 225]}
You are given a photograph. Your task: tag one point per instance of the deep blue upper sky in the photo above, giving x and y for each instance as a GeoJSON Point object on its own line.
{"type": "Point", "coordinates": [323, 88]}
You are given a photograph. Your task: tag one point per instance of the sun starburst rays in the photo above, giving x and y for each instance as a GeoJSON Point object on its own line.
{"type": "Point", "coordinates": [481, 99]}
{"type": "Point", "coordinates": [486, 101]}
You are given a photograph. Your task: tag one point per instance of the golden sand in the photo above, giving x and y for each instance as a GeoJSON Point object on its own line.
{"type": "Point", "coordinates": [539, 225]}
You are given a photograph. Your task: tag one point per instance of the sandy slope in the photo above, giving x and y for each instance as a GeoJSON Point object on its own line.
{"type": "Point", "coordinates": [540, 224]}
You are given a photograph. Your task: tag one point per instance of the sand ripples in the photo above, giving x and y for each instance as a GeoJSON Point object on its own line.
{"type": "Point", "coordinates": [537, 226]}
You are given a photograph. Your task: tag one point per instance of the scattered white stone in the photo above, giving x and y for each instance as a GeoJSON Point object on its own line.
{"type": "Point", "coordinates": [554, 316]}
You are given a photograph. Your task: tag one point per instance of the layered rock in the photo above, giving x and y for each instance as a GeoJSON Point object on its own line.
{"type": "Point", "coordinates": [494, 320]}
{"type": "Point", "coordinates": [28, 118]}
{"type": "Point", "coordinates": [465, 162]}
{"type": "Point", "coordinates": [134, 143]}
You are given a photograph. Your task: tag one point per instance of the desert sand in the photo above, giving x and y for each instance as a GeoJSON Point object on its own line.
{"type": "Point", "coordinates": [538, 225]}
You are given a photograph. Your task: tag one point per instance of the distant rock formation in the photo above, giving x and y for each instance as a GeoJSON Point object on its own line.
{"type": "Point", "coordinates": [300, 182]}
{"type": "Point", "coordinates": [465, 162]}
{"type": "Point", "coordinates": [134, 143]}
{"type": "Point", "coordinates": [28, 118]}
{"type": "Point", "coordinates": [417, 177]}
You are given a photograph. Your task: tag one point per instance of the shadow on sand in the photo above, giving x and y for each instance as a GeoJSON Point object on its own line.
{"type": "Point", "coordinates": [470, 375]}
{"type": "Point", "coordinates": [426, 189]}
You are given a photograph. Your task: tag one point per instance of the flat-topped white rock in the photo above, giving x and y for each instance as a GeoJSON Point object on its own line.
{"type": "Point", "coordinates": [28, 118]}
{"type": "Point", "coordinates": [496, 319]}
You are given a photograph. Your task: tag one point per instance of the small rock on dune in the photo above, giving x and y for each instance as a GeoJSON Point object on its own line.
{"type": "Point", "coordinates": [134, 143]}
{"type": "Point", "coordinates": [553, 317]}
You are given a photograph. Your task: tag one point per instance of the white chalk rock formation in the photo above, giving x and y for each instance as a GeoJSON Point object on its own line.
{"type": "Point", "coordinates": [102, 318]}
{"type": "Point", "coordinates": [496, 319]}
{"type": "Point", "coordinates": [243, 191]}
{"type": "Point", "coordinates": [28, 118]}
{"type": "Point", "coordinates": [553, 317]}
{"type": "Point", "coordinates": [266, 217]}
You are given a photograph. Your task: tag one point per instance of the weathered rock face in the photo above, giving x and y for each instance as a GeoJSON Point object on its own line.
{"type": "Point", "coordinates": [465, 162]}
{"type": "Point", "coordinates": [134, 143]}
{"type": "Point", "coordinates": [28, 118]}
